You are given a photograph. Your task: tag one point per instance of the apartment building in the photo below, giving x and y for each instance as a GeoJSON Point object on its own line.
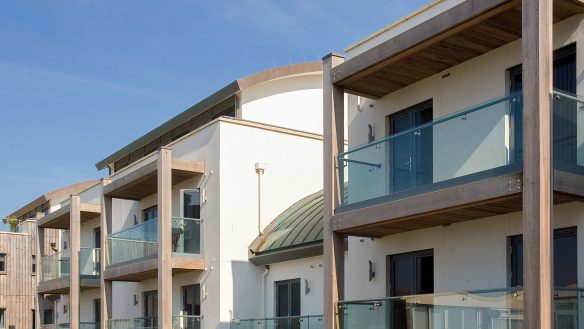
{"type": "Point", "coordinates": [198, 190]}
{"type": "Point", "coordinates": [464, 160]}
{"type": "Point", "coordinates": [25, 268]}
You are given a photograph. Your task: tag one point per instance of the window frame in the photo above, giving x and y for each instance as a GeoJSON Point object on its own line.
{"type": "Point", "coordinates": [289, 283]}
{"type": "Point", "coordinates": [33, 265]}
{"type": "Point", "coordinates": [182, 201]}
{"type": "Point", "coordinates": [4, 261]}
{"type": "Point", "coordinates": [148, 209]}
{"type": "Point", "coordinates": [3, 318]}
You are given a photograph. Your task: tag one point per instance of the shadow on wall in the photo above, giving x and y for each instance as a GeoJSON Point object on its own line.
{"type": "Point", "coordinates": [247, 290]}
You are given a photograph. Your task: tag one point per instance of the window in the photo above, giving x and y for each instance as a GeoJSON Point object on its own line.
{"type": "Point", "coordinates": [191, 299]}
{"type": "Point", "coordinates": [2, 318]}
{"type": "Point", "coordinates": [33, 264]}
{"type": "Point", "coordinates": [411, 273]}
{"type": "Point", "coordinates": [97, 237]}
{"type": "Point", "coordinates": [2, 263]}
{"type": "Point", "coordinates": [288, 298]}
{"type": "Point", "coordinates": [565, 259]}
{"type": "Point", "coordinates": [190, 203]}
{"type": "Point", "coordinates": [150, 304]}
{"type": "Point", "coordinates": [149, 213]}
{"type": "Point", "coordinates": [97, 311]}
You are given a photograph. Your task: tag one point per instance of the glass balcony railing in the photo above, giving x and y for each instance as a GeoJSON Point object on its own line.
{"type": "Point", "coordinates": [55, 326]}
{"type": "Point", "coordinates": [477, 140]}
{"type": "Point", "coordinates": [56, 266]}
{"type": "Point", "coordinates": [89, 262]}
{"type": "Point", "coordinates": [89, 325]}
{"type": "Point", "coordinates": [568, 122]}
{"type": "Point", "coordinates": [187, 322]}
{"type": "Point", "coordinates": [502, 309]}
{"type": "Point", "coordinates": [187, 236]}
{"type": "Point", "coordinates": [141, 241]}
{"type": "Point", "coordinates": [293, 322]}
{"type": "Point", "coordinates": [133, 323]}
{"type": "Point", "coordinates": [133, 243]}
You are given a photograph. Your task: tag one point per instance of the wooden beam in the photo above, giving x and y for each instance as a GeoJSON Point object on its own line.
{"type": "Point", "coordinates": [130, 179]}
{"type": "Point", "coordinates": [106, 228]}
{"type": "Point", "coordinates": [433, 202]}
{"type": "Point", "coordinates": [164, 237]}
{"type": "Point", "coordinates": [75, 245]}
{"type": "Point", "coordinates": [333, 243]}
{"type": "Point", "coordinates": [537, 193]}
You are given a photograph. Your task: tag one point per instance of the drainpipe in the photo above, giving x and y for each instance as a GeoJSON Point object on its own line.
{"type": "Point", "coordinates": [264, 275]}
{"type": "Point", "coordinates": [259, 169]}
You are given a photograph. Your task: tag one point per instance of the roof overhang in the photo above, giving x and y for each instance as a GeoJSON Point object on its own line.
{"type": "Point", "coordinates": [59, 219]}
{"type": "Point", "coordinates": [60, 193]}
{"type": "Point", "coordinates": [465, 31]}
{"type": "Point", "coordinates": [143, 181]}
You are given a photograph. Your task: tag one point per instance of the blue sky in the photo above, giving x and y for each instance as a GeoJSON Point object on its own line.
{"type": "Point", "coordinates": [80, 79]}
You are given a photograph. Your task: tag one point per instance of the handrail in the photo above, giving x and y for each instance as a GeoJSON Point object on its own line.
{"type": "Point", "coordinates": [128, 229]}
{"type": "Point", "coordinates": [435, 122]}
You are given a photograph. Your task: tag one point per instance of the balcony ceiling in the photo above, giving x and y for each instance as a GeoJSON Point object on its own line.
{"type": "Point", "coordinates": [143, 181]}
{"type": "Point", "coordinates": [59, 219]}
{"type": "Point", "coordinates": [459, 34]}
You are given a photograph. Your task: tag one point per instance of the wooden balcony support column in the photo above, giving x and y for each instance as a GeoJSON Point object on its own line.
{"type": "Point", "coordinates": [75, 244]}
{"type": "Point", "coordinates": [106, 228]}
{"type": "Point", "coordinates": [40, 300]}
{"type": "Point", "coordinates": [537, 165]}
{"type": "Point", "coordinates": [333, 243]}
{"type": "Point", "coordinates": [164, 237]}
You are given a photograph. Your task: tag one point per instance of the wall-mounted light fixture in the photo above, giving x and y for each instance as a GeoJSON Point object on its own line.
{"type": "Point", "coordinates": [306, 287]}
{"type": "Point", "coordinates": [64, 309]}
{"type": "Point", "coordinates": [135, 220]}
{"type": "Point", "coordinates": [371, 271]}
{"type": "Point", "coordinates": [135, 300]}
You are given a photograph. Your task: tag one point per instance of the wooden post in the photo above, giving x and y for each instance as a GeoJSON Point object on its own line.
{"type": "Point", "coordinates": [537, 165]}
{"type": "Point", "coordinates": [40, 300]}
{"type": "Point", "coordinates": [106, 228]}
{"type": "Point", "coordinates": [164, 238]}
{"type": "Point", "coordinates": [334, 135]}
{"type": "Point", "coordinates": [75, 247]}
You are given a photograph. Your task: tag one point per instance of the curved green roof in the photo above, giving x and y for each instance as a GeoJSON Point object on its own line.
{"type": "Point", "coordinates": [298, 226]}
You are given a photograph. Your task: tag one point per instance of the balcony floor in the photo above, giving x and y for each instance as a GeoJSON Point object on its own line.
{"type": "Point", "coordinates": [419, 209]}
{"type": "Point", "coordinates": [147, 268]}
{"type": "Point", "coordinates": [63, 285]}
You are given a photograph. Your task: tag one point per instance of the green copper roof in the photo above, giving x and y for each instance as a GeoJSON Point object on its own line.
{"type": "Point", "coordinates": [298, 226]}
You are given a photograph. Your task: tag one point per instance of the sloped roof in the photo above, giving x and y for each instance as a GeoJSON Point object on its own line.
{"type": "Point", "coordinates": [300, 227]}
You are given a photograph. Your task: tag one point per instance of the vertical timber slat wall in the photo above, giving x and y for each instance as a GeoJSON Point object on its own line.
{"type": "Point", "coordinates": [537, 170]}
{"type": "Point", "coordinates": [333, 130]}
{"type": "Point", "coordinates": [18, 284]}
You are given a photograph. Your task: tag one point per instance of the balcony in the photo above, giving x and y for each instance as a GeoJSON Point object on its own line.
{"type": "Point", "coordinates": [55, 326]}
{"type": "Point", "coordinates": [463, 166]}
{"type": "Point", "coordinates": [472, 310]}
{"type": "Point", "coordinates": [292, 322]}
{"type": "Point", "coordinates": [178, 322]}
{"type": "Point", "coordinates": [56, 271]}
{"type": "Point", "coordinates": [89, 325]}
{"type": "Point", "coordinates": [133, 252]}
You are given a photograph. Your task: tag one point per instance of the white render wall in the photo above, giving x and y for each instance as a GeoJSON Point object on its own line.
{"type": "Point", "coordinates": [470, 255]}
{"type": "Point", "coordinates": [307, 270]}
{"type": "Point", "coordinates": [293, 102]}
{"type": "Point", "coordinates": [293, 171]}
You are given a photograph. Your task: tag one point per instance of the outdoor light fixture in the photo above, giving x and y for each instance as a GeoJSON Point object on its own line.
{"type": "Point", "coordinates": [306, 287]}
{"type": "Point", "coordinates": [64, 309]}
{"type": "Point", "coordinates": [371, 271]}
{"type": "Point", "coordinates": [135, 300]}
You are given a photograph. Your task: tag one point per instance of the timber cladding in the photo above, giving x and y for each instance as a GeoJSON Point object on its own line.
{"type": "Point", "coordinates": [18, 284]}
